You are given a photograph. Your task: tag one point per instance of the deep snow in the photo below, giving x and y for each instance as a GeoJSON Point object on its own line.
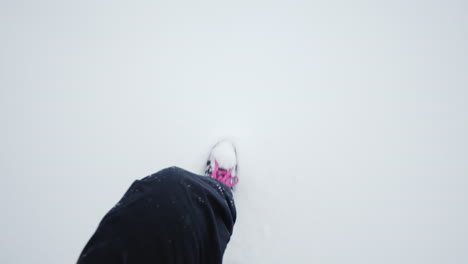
{"type": "Point", "coordinates": [350, 119]}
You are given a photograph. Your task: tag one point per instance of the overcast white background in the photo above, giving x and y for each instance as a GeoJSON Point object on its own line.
{"type": "Point", "coordinates": [350, 117]}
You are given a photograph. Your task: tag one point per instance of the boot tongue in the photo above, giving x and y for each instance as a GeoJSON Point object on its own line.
{"type": "Point", "coordinates": [222, 172]}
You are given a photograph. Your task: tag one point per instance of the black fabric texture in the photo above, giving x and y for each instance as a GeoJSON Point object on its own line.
{"type": "Point", "coordinates": [173, 216]}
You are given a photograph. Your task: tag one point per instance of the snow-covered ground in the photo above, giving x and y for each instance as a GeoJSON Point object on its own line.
{"type": "Point", "coordinates": [350, 117]}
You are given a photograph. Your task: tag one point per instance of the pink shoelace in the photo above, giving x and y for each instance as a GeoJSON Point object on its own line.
{"type": "Point", "coordinates": [224, 176]}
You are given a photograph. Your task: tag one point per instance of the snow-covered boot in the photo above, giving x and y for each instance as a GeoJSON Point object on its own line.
{"type": "Point", "coordinates": [222, 163]}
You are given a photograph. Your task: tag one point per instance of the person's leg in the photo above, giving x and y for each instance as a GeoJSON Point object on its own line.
{"type": "Point", "coordinates": [173, 216]}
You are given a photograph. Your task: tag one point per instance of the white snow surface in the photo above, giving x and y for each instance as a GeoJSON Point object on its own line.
{"type": "Point", "coordinates": [350, 120]}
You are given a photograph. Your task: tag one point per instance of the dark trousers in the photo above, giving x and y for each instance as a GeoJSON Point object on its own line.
{"type": "Point", "coordinates": [173, 216]}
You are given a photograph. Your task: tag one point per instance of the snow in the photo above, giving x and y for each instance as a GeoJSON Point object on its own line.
{"type": "Point", "coordinates": [350, 121]}
{"type": "Point", "coordinates": [224, 155]}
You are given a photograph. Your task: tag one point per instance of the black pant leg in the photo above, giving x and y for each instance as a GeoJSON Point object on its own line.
{"type": "Point", "coordinates": [172, 216]}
